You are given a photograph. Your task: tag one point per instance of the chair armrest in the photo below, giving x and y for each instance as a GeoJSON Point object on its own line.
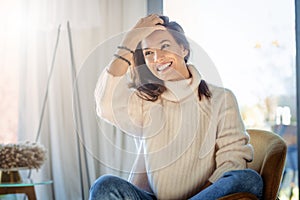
{"type": "Point", "coordinates": [239, 196]}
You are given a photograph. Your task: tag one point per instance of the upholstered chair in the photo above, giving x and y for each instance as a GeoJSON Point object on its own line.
{"type": "Point", "coordinates": [269, 161]}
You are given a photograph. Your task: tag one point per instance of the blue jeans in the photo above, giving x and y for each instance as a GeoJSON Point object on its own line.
{"type": "Point", "coordinates": [110, 187]}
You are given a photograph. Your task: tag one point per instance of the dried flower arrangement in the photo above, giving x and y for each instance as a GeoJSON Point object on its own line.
{"type": "Point", "coordinates": [22, 155]}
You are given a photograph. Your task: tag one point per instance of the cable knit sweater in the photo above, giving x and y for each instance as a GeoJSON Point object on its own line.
{"type": "Point", "coordinates": [186, 141]}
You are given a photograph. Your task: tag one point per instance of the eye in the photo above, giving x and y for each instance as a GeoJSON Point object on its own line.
{"type": "Point", "coordinates": [164, 46]}
{"type": "Point", "coordinates": [147, 53]}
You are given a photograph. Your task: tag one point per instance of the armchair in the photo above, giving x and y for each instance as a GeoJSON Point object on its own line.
{"type": "Point", "coordinates": [269, 161]}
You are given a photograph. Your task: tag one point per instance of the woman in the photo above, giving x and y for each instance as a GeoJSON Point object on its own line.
{"type": "Point", "coordinates": [194, 144]}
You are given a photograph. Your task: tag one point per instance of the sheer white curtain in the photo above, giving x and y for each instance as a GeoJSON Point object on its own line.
{"type": "Point", "coordinates": [80, 147]}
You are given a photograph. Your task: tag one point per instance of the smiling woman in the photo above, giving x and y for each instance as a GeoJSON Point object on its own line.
{"type": "Point", "coordinates": [164, 56]}
{"type": "Point", "coordinates": [183, 123]}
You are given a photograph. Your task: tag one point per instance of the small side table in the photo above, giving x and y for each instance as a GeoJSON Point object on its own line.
{"type": "Point", "coordinates": [25, 187]}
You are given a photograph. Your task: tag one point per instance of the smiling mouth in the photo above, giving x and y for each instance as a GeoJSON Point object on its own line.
{"type": "Point", "coordinates": [164, 67]}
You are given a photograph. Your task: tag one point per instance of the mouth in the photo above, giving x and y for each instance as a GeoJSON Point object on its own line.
{"type": "Point", "coordinates": [164, 67]}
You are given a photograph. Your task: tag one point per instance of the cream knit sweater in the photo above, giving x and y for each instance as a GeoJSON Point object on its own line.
{"type": "Point", "coordinates": [186, 141]}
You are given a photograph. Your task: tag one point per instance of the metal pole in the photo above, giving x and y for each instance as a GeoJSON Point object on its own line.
{"type": "Point", "coordinates": [78, 117]}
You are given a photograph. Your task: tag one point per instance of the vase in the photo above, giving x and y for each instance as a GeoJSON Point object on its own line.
{"type": "Point", "coordinates": [10, 176]}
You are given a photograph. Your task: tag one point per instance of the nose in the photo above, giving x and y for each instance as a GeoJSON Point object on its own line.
{"type": "Point", "coordinates": [158, 55]}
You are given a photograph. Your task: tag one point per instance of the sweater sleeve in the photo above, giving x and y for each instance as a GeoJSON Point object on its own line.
{"type": "Point", "coordinates": [233, 150]}
{"type": "Point", "coordinates": [117, 104]}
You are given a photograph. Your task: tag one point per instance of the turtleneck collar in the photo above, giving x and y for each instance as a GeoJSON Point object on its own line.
{"type": "Point", "coordinates": [180, 90]}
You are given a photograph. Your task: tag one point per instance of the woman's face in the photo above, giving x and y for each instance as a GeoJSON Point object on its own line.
{"type": "Point", "coordinates": [164, 56]}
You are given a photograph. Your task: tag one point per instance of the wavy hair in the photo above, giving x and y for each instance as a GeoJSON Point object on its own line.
{"type": "Point", "coordinates": [150, 87]}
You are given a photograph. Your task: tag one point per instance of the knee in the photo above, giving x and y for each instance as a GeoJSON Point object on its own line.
{"type": "Point", "coordinates": [102, 185]}
{"type": "Point", "coordinates": [249, 180]}
{"type": "Point", "coordinates": [252, 177]}
{"type": "Point", "coordinates": [105, 180]}
{"type": "Point", "coordinates": [247, 175]}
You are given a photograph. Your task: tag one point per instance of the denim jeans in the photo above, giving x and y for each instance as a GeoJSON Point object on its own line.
{"type": "Point", "coordinates": [109, 187]}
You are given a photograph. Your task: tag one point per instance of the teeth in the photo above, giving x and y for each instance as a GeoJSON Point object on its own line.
{"type": "Point", "coordinates": [163, 67]}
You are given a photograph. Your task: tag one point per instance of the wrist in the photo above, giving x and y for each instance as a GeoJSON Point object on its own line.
{"type": "Point", "coordinates": [123, 50]}
{"type": "Point", "coordinates": [126, 49]}
{"type": "Point", "coordinates": [131, 40]}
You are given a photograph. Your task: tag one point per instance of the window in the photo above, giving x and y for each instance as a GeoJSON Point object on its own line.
{"type": "Point", "coordinates": [9, 76]}
{"type": "Point", "coordinates": [252, 44]}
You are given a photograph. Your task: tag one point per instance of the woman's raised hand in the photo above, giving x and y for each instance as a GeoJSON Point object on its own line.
{"type": "Point", "coordinates": [143, 28]}
{"type": "Point", "coordinates": [124, 55]}
{"type": "Point", "coordinates": [149, 21]}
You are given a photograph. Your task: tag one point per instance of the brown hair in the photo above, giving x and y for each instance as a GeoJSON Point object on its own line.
{"type": "Point", "coordinates": [150, 87]}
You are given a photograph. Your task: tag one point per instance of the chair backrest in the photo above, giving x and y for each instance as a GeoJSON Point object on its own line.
{"type": "Point", "coordinates": [269, 159]}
